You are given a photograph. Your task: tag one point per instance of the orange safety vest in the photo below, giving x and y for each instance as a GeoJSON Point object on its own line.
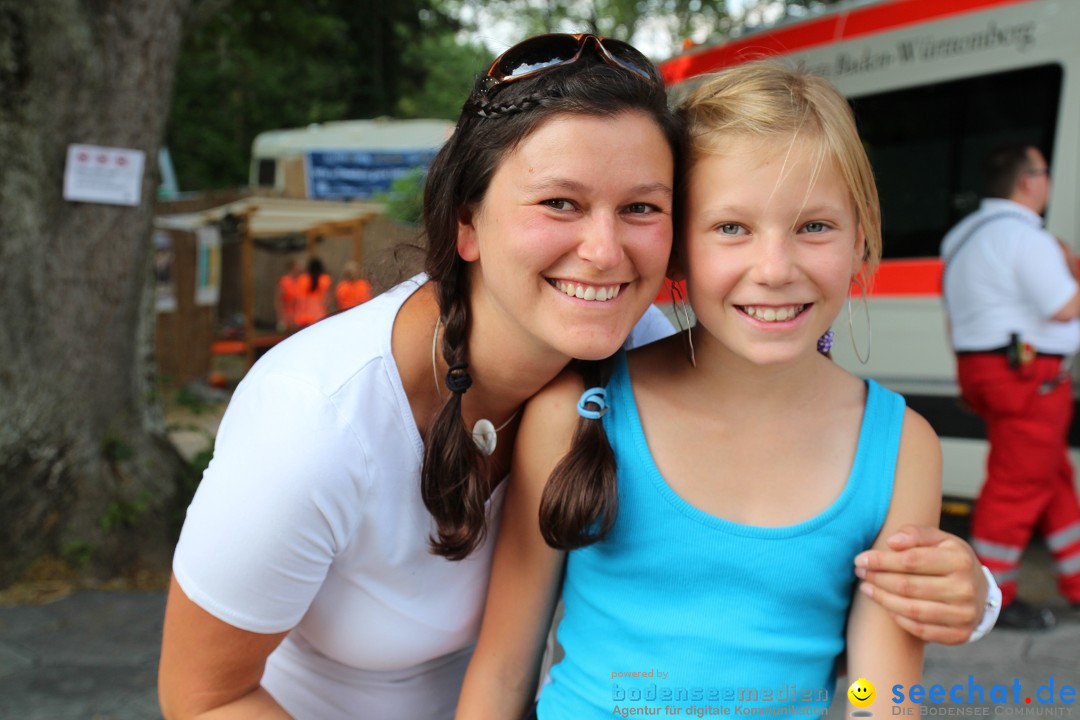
{"type": "Point", "coordinates": [311, 304]}
{"type": "Point", "coordinates": [350, 294]}
{"type": "Point", "coordinates": [287, 291]}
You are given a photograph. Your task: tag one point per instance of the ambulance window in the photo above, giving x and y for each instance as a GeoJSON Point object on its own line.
{"type": "Point", "coordinates": [926, 145]}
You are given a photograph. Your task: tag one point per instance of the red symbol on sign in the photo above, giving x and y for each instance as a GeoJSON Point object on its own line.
{"type": "Point", "coordinates": [121, 161]}
{"type": "Point", "coordinates": [102, 158]}
{"type": "Point", "coordinates": [83, 157]}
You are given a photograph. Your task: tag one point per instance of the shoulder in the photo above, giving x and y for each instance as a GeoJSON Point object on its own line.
{"type": "Point", "coordinates": [336, 351]}
{"type": "Point", "coordinates": [917, 485]}
{"type": "Point", "coordinates": [553, 410]}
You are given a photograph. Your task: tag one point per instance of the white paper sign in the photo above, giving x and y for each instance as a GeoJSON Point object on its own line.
{"type": "Point", "coordinates": [112, 176]}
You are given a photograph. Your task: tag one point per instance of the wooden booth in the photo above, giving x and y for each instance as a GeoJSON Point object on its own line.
{"type": "Point", "coordinates": [212, 246]}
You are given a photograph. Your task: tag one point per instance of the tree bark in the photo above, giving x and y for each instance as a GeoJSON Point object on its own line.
{"type": "Point", "coordinates": [86, 473]}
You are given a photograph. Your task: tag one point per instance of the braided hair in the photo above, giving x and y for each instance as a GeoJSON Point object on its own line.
{"type": "Point", "coordinates": [456, 478]}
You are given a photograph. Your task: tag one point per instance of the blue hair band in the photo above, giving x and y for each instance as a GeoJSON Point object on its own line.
{"type": "Point", "coordinates": [593, 396]}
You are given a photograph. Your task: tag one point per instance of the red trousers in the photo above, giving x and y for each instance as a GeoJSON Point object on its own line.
{"type": "Point", "coordinates": [1029, 479]}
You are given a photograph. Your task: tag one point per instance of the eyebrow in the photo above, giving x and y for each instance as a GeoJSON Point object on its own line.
{"type": "Point", "coordinates": [574, 186]}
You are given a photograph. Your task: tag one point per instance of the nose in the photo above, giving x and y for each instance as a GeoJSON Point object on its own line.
{"type": "Point", "coordinates": [601, 244]}
{"type": "Point", "coordinates": [774, 263]}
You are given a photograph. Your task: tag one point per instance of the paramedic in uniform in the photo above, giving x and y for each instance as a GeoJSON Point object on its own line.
{"type": "Point", "coordinates": [1012, 301]}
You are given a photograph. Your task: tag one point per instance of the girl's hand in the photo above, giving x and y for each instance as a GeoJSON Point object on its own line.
{"type": "Point", "coordinates": [929, 581]}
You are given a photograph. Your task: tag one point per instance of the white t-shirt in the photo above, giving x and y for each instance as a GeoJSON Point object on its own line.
{"type": "Point", "coordinates": [309, 518]}
{"type": "Point", "coordinates": [1009, 277]}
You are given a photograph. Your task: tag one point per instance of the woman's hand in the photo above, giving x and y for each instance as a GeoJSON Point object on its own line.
{"type": "Point", "coordinates": [929, 581]}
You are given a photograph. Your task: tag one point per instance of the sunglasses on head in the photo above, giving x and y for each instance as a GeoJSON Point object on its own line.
{"type": "Point", "coordinates": [546, 52]}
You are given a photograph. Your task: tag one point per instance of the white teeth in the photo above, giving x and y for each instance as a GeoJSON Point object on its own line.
{"type": "Point", "coordinates": [773, 314]}
{"type": "Point", "coordinates": [600, 293]}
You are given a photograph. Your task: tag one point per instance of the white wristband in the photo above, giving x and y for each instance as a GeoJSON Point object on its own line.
{"type": "Point", "coordinates": [993, 607]}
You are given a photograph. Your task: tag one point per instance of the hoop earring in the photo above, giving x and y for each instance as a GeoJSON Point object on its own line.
{"type": "Point", "coordinates": [851, 329]}
{"type": "Point", "coordinates": [680, 306]}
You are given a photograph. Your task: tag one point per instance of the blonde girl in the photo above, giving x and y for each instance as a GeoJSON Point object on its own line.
{"type": "Point", "coordinates": [718, 486]}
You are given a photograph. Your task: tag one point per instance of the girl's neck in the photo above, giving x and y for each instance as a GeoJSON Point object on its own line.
{"type": "Point", "coordinates": [764, 386]}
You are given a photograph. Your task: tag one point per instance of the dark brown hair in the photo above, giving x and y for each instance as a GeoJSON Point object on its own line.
{"type": "Point", "coordinates": [581, 499]}
{"type": "Point", "coordinates": [1002, 168]}
{"type": "Point", "coordinates": [456, 479]}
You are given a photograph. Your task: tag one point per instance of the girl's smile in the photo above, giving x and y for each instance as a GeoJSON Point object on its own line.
{"type": "Point", "coordinates": [772, 245]}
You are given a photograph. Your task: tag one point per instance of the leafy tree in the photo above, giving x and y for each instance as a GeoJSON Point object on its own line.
{"type": "Point", "coordinates": [705, 21]}
{"type": "Point", "coordinates": [269, 64]}
{"type": "Point", "coordinates": [451, 68]}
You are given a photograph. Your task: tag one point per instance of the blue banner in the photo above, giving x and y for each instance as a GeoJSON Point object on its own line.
{"type": "Point", "coordinates": [346, 174]}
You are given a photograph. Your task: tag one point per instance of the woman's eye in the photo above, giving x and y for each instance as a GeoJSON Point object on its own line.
{"type": "Point", "coordinates": [557, 204]}
{"type": "Point", "coordinates": [641, 208]}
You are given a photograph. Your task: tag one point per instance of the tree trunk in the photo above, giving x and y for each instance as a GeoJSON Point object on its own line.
{"type": "Point", "coordinates": [86, 473]}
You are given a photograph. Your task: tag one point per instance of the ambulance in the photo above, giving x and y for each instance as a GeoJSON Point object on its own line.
{"type": "Point", "coordinates": [935, 84]}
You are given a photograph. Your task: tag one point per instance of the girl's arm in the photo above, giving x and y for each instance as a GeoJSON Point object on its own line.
{"type": "Point", "coordinates": [210, 669]}
{"type": "Point", "coordinates": [879, 650]}
{"type": "Point", "coordinates": [931, 584]}
{"type": "Point", "coordinates": [526, 573]}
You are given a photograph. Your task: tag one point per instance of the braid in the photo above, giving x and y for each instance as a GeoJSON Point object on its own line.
{"type": "Point", "coordinates": [580, 499]}
{"type": "Point", "coordinates": [454, 479]}
{"type": "Point", "coordinates": [490, 109]}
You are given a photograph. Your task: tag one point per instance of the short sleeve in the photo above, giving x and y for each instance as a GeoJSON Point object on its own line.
{"type": "Point", "coordinates": [279, 500]}
{"type": "Point", "coordinates": [1043, 274]}
{"type": "Point", "coordinates": [652, 326]}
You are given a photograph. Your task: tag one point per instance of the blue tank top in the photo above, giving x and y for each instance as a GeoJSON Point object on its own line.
{"type": "Point", "coordinates": [677, 607]}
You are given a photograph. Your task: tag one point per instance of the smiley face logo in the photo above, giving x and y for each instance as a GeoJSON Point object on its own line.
{"type": "Point", "coordinates": [862, 693]}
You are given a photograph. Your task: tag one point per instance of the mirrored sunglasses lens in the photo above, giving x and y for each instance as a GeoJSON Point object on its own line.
{"type": "Point", "coordinates": [629, 57]}
{"type": "Point", "coordinates": [536, 54]}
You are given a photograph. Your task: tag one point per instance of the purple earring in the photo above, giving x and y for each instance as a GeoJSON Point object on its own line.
{"type": "Point", "coordinates": [824, 343]}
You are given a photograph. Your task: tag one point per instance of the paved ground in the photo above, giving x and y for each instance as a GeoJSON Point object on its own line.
{"type": "Point", "coordinates": [93, 656]}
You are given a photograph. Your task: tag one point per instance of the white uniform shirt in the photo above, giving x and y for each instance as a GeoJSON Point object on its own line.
{"type": "Point", "coordinates": [309, 518]}
{"type": "Point", "coordinates": [1010, 276]}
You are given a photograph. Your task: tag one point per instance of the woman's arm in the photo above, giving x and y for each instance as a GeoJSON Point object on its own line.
{"type": "Point", "coordinates": [931, 584]}
{"type": "Point", "coordinates": [210, 669]}
{"type": "Point", "coordinates": [526, 573]}
{"type": "Point", "coordinates": [879, 650]}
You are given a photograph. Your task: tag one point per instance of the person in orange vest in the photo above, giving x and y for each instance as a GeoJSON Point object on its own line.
{"type": "Point", "coordinates": [312, 294]}
{"type": "Point", "coordinates": [351, 289]}
{"type": "Point", "coordinates": [285, 296]}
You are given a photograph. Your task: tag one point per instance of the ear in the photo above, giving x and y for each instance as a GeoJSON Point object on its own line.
{"type": "Point", "coordinates": [468, 247]}
{"type": "Point", "coordinates": [859, 256]}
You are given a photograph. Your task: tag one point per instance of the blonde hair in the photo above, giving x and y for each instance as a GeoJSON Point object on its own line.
{"type": "Point", "coordinates": [769, 100]}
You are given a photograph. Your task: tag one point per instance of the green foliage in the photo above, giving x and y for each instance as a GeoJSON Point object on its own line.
{"type": "Point", "coordinates": [116, 449]}
{"type": "Point", "coordinates": [123, 513]}
{"type": "Point", "coordinates": [77, 553]}
{"type": "Point", "coordinates": [405, 201]}
{"type": "Point", "coordinates": [271, 64]}
{"type": "Point", "coordinates": [189, 483]}
{"type": "Point", "coordinates": [452, 67]}
{"type": "Point", "coordinates": [193, 401]}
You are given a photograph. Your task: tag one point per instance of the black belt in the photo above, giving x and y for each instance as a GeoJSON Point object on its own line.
{"type": "Point", "coordinates": [1005, 350]}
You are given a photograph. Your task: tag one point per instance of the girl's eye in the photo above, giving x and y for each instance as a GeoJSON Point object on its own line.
{"type": "Point", "coordinates": [815, 227]}
{"type": "Point", "coordinates": [729, 229]}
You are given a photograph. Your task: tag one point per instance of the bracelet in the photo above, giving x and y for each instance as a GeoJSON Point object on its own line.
{"type": "Point", "coordinates": [992, 609]}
